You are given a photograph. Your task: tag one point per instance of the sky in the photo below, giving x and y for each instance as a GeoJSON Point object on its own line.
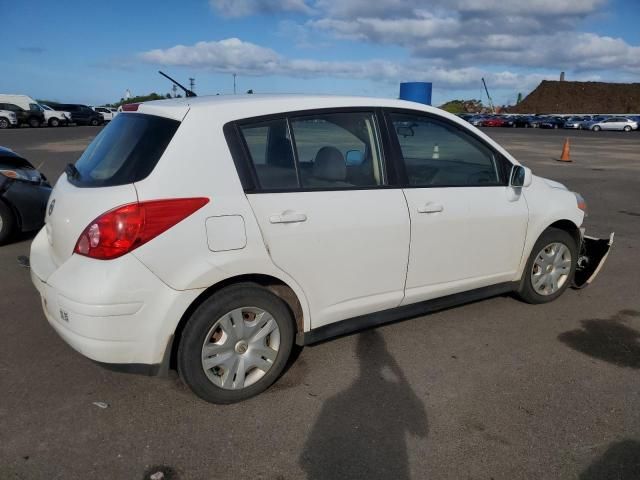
{"type": "Point", "coordinates": [92, 52]}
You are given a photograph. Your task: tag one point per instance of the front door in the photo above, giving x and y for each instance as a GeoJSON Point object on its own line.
{"type": "Point", "coordinates": [468, 226]}
{"type": "Point", "coordinates": [327, 216]}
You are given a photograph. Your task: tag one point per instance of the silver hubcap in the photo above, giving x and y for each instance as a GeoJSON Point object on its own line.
{"type": "Point", "coordinates": [240, 348]}
{"type": "Point", "coordinates": [551, 269]}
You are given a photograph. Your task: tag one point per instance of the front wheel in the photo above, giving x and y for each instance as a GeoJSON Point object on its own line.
{"type": "Point", "coordinates": [550, 268]}
{"type": "Point", "coordinates": [54, 122]}
{"type": "Point", "coordinates": [4, 123]}
{"type": "Point", "coordinates": [236, 344]}
{"type": "Point", "coordinates": [94, 122]}
{"type": "Point", "coordinates": [34, 122]}
{"type": "Point", "coordinates": [627, 128]}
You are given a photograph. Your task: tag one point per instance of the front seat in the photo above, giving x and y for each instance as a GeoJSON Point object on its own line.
{"type": "Point", "coordinates": [329, 169]}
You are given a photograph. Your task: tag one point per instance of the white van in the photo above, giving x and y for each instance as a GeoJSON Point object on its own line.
{"type": "Point", "coordinates": [225, 229]}
{"type": "Point", "coordinates": [25, 108]}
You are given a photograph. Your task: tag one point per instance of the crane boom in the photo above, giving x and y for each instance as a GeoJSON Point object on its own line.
{"type": "Point", "coordinates": [493, 110]}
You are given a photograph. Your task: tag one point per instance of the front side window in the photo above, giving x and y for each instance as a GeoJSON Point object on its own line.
{"type": "Point", "coordinates": [438, 154]}
{"type": "Point", "coordinates": [324, 151]}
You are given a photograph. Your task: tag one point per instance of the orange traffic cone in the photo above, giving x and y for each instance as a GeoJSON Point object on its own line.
{"type": "Point", "coordinates": [566, 152]}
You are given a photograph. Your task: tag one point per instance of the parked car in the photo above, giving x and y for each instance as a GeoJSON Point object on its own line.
{"type": "Point", "coordinates": [81, 114]}
{"type": "Point", "coordinates": [476, 120]}
{"type": "Point", "coordinates": [551, 122]}
{"type": "Point", "coordinates": [55, 118]}
{"type": "Point", "coordinates": [25, 108]}
{"type": "Point", "coordinates": [8, 119]}
{"type": "Point", "coordinates": [290, 224]}
{"type": "Point", "coordinates": [614, 123]}
{"type": "Point", "coordinates": [107, 113]}
{"type": "Point", "coordinates": [522, 121]}
{"type": "Point", "coordinates": [574, 122]}
{"type": "Point", "coordinates": [23, 195]}
{"type": "Point", "coordinates": [493, 122]}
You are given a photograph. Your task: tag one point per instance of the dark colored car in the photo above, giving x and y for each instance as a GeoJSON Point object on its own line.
{"type": "Point", "coordinates": [524, 121]}
{"type": "Point", "coordinates": [552, 122]}
{"type": "Point", "coordinates": [34, 117]}
{"type": "Point", "coordinates": [24, 193]}
{"type": "Point", "coordinates": [81, 114]}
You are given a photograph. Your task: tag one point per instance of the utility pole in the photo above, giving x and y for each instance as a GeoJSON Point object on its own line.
{"type": "Point", "coordinates": [234, 83]}
{"type": "Point", "coordinates": [175, 89]}
{"type": "Point", "coordinates": [192, 84]}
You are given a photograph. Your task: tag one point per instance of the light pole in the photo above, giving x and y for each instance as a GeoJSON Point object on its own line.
{"type": "Point", "coordinates": [234, 83]}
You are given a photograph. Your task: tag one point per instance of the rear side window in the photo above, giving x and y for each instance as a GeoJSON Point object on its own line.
{"type": "Point", "coordinates": [125, 151]}
{"type": "Point", "coordinates": [269, 146]}
{"type": "Point", "coordinates": [324, 151]}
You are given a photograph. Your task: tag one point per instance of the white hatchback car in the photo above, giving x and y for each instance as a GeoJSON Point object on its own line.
{"type": "Point", "coordinates": [212, 234]}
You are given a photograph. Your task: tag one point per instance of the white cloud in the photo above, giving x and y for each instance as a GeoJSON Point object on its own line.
{"type": "Point", "coordinates": [236, 56]}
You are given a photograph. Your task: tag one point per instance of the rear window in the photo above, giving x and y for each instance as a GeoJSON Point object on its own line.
{"type": "Point", "coordinates": [125, 151]}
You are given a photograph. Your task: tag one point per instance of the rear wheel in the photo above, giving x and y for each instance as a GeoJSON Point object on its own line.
{"type": "Point", "coordinates": [34, 122]}
{"type": "Point", "coordinates": [596, 128]}
{"type": "Point", "coordinates": [236, 344]}
{"type": "Point", "coordinates": [4, 123]}
{"type": "Point", "coordinates": [7, 223]}
{"type": "Point", "coordinates": [550, 268]}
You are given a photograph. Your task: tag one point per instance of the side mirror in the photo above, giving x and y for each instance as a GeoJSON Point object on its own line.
{"type": "Point", "coordinates": [354, 157]}
{"type": "Point", "coordinates": [520, 176]}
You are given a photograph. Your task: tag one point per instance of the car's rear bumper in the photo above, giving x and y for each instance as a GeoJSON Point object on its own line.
{"type": "Point", "coordinates": [114, 312]}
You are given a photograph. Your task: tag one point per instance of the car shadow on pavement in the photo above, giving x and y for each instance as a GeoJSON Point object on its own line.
{"type": "Point", "coordinates": [621, 461]}
{"type": "Point", "coordinates": [607, 339]}
{"type": "Point", "coordinates": [361, 432]}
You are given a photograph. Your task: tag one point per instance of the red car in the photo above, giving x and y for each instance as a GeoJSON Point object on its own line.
{"type": "Point", "coordinates": [493, 122]}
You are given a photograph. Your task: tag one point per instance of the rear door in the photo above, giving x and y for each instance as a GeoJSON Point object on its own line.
{"type": "Point", "coordinates": [326, 211]}
{"type": "Point", "coordinates": [467, 227]}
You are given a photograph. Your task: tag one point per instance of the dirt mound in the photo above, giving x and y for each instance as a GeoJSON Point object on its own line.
{"type": "Point", "coordinates": [581, 97]}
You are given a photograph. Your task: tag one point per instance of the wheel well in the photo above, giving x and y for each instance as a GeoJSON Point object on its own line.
{"type": "Point", "coordinates": [569, 227]}
{"type": "Point", "coordinates": [276, 286]}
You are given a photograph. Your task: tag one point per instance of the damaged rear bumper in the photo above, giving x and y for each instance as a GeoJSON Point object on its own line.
{"type": "Point", "coordinates": [593, 254]}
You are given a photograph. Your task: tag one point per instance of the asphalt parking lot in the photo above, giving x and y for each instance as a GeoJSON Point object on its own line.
{"type": "Point", "coordinates": [496, 389]}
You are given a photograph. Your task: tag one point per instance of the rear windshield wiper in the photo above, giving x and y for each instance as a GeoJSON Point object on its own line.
{"type": "Point", "coordinates": [71, 171]}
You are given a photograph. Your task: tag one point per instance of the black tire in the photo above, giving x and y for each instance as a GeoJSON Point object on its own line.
{"type": "Point", "coordinates": [7, 223]}
{"type": "Point", "coordinates": [526, 291]}
{"type": "Point", "coordinates": [34, 122]}
{"type": "Point", "coordinates": [94, 122]}
{"type": "Point", "coordinates": [54, 122]}
{"type": "Point", "coordinates": [4, 123]}
{"type": "Point", "coordinates": [203, 319]}
{"type": "Point", "coordinates": [555, 126]}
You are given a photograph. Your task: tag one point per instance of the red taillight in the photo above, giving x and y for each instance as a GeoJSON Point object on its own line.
{"type": "Point", "coordinates": [130, 107]}
{"type": "Point", "coordinates": [125, 228]}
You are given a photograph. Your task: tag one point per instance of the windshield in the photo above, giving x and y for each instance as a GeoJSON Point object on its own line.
{"type": "Point", "coordinates": [125, 151]}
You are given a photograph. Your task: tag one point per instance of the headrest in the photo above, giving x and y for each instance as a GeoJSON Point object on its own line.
{"type": "Point", "coordinates": [330, 165]}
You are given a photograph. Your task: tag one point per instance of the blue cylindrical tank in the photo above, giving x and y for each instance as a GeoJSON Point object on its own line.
{"type": "Point", "coordinates": [416, 92]}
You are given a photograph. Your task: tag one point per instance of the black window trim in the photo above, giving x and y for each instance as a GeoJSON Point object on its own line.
{"type": "Point", "coordinates": [246, 169]}
{"type": "Point", "coordinates": [502, 164]}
